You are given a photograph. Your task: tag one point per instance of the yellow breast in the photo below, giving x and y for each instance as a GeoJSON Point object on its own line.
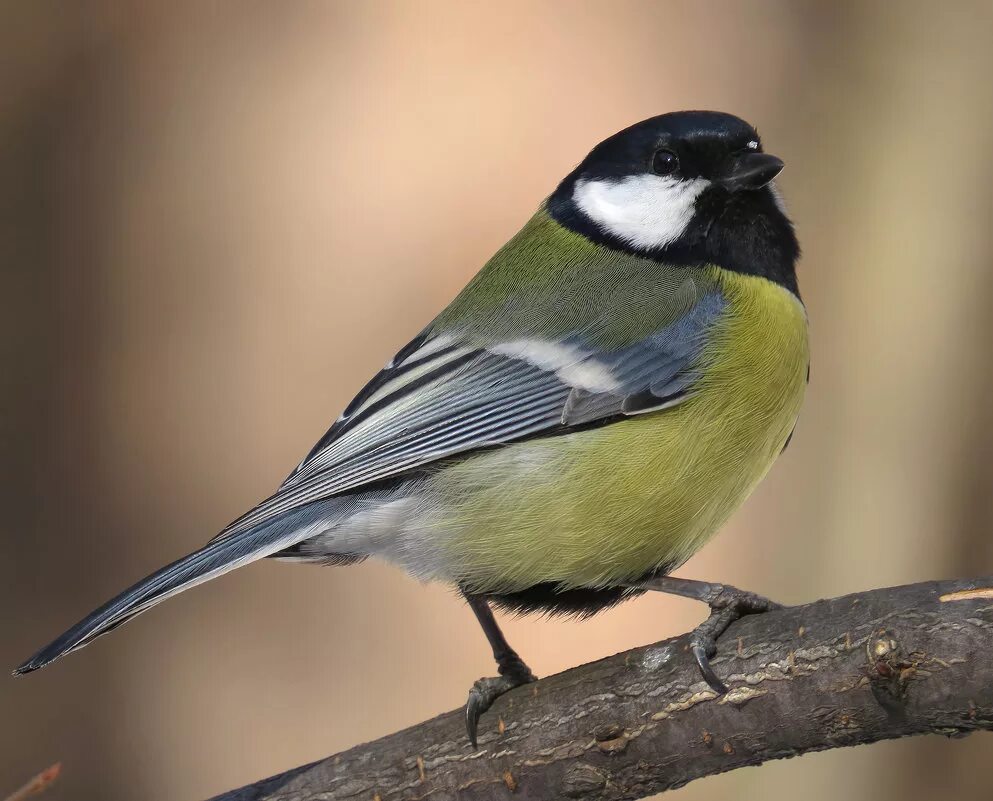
{"type": "Point", "coordinates": [610, 504]}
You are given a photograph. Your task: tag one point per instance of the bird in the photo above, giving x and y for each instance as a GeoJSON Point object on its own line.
{"type": "Point", "coordinates": [583, 416]}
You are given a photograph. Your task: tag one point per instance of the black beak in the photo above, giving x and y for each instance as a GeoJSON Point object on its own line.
{"type": "Point", "coordinates": [749, 171]}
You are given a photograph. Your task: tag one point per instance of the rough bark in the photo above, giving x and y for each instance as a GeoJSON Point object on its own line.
{"type": "Point", "coordinates": [846, 671]}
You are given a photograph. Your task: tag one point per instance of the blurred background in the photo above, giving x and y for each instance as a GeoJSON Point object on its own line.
{"type": "Point", "coordinates": [217, 220]}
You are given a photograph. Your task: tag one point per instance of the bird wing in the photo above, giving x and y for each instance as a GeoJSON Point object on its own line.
{"type": "Point", "coordinates": [446, 394]}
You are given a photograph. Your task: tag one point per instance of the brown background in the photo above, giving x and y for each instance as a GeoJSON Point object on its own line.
{"type": "Point", "coordinates": [218, 219]}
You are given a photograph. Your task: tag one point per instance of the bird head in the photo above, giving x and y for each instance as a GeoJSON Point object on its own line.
{"type": "Point", "coordinates": [688, 186]}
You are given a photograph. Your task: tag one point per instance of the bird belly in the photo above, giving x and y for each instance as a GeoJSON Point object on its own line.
{"type": "Point", "coordinates": [605, 505]}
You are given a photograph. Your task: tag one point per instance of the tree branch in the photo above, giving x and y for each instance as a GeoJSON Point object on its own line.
{"type": "Point", "coordinates": [866, 667]}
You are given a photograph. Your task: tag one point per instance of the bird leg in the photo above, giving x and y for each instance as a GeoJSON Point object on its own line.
{"type": "Point", "coordinates": [726, 603]}
{"type": "Point", "coordinates": [513, 671]}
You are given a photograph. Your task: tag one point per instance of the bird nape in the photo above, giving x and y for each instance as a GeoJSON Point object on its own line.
{"type": "Point", "coordinates": [581, 418]}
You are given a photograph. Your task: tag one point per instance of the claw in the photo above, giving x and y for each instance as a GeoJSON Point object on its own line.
{"type": "Point", "coordinates": [703, 662]}
{"type": "Point", "coordinates": [473, 709]}
{"type": "Point", "coordinates": [482, 695]}
{"type": "Point", "coordinates": [726, 606]}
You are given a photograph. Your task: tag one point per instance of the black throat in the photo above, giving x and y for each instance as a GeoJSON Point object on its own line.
{"type": "Point", "coordinates": [745, 232]}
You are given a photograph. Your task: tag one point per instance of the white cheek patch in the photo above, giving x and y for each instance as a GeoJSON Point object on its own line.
{"type": "Point", "coordinates": [644, 211]}
{"type": "Point", "coordinates": [573, 365]}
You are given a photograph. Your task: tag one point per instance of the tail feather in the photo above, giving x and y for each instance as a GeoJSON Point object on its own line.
{"type": "Point", "coordinates": [216, 558]}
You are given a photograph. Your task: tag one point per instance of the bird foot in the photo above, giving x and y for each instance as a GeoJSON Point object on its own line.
{"type": "Point", "coordinates": [485, 691]}
{"type": "Point", "coordinates": [727, 604]}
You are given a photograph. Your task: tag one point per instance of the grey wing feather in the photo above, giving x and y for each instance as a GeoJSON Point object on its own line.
{"type": "Point", "coordinates": [440, 398]}
{"type": "Point", "coordinates": [486, 401]}
{"type": "Point", "coordinates": [653, 374]}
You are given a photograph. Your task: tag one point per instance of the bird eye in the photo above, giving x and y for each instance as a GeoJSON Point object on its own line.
{"type": "Point", "coordinates": [665, 162]}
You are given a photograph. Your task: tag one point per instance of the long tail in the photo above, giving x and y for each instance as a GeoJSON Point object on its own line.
{"type": "Point", "coordinates": [216, 558]}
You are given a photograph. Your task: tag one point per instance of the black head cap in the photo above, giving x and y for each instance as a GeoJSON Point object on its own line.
{"type": "Point", "coordinates": [701, 140]}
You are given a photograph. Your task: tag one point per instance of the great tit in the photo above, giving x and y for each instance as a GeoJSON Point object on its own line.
{"type": "Point", "coordinates": [580, 419]}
